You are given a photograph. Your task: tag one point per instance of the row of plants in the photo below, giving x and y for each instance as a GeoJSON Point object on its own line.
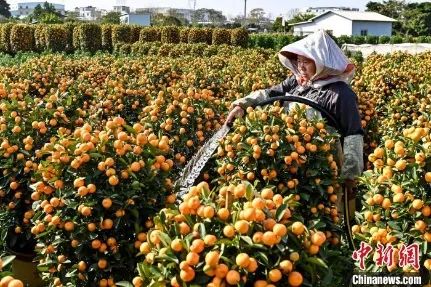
{"type": "Point", "coordinates": [394, 93]}
{"type": "Point", "coordinates": [93, 37]}
{"type": "Point", "coordinates": [278, 40]}
{"type": "Point", "coordinates": [92, 146]}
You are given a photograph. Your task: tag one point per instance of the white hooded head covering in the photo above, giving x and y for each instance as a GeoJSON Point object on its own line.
{"type": "Point", "coordinates": [331, 63]}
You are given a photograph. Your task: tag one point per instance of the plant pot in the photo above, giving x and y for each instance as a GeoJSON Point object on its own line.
{"type": "Point", "coordinates": [24, 269]}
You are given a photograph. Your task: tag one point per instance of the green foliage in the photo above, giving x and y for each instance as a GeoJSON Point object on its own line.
{"type": "Point", "coordinates": [5, 37]}
{"type": "Point", "coordinates": [69, 27]}
{"type": "Point", "coordinates": [277, 26]}
{"type": "Point", "coordinates": [4, 8]}
{"type": "Point", "coordinates": [197, 35]}
{"type": "Point", "coordinates": [384, 39]}
{"type": "Point", "coordinates": [239, 37]}
{"type": "Point", "coordinates": [121, 34]}
{"type": "Point", "coordinates": [87, 37]}
{"type": "Point", "coordinates": [111, 18]}
{"type": "Point", "coordinates": [396, 39]}
{"type": "Point", "coordinates": [221, 36]}
{"type": "Point", "coordinates": [107, 37]}
{"type": "Point", "coordinates": [184, 35]}
{"type": "Point", "coordinates": [170, 34]}
{"type": "Point", "coordinates": [149, 34]}
{"type": "Point", "coordinates": [40, 37]}
{"type": "Point", "coordinates": [21, 38]}
{"type": "Point", "coordinates": [135, 31]}
{"type": "Point", "coordinates": [56, 39]}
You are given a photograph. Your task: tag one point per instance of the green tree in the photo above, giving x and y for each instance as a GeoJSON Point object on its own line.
{"type": "Point", "coordinates": [277, 26]}
{"type": "Point", "coordinates": [391, 8]}
{"type": "Point", "coordinates": [45, 14]}
{"type": "Point", "coordinates": [301, 17]}
{"type": "Point", "coordinates": [162, 20]}
{"type": "Point", "coordinates": [4, 8]}
{"type": "Point", "coordinates": [50, 18]}
{"type": "Point", "coordinates": [211, 15]}
{"type": "Point", "coordinates": [112, 18]}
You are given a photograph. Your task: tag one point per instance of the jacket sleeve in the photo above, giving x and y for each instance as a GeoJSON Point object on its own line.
{"type": "Point", "coordinates": [353, 163]}
{"type": "Point", "coordinates": [260, 95]}
{"type": "Point", "coordinates": [347, 114]}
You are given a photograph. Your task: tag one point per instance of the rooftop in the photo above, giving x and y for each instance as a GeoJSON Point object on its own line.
{"type": "Point", "coordinates": [354, 16]}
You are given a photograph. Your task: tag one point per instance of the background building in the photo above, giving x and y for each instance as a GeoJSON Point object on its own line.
{"type": "Point", "coordinates": [347, 23]}
{"type": "Point", "coordinates": [23, 9]}
{"type": "Point", "coordinates": [138, 19]}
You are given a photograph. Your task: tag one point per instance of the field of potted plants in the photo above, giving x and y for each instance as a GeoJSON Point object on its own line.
{"type": "Point", "coordinates": [91, 146]}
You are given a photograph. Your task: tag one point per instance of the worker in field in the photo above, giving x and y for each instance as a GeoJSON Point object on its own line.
{"type": "Point", "coordinates": [322, 73]}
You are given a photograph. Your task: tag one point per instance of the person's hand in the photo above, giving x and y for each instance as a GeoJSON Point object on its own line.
{"type": "Point", "coordinates": [350, 185]}
{"type": "Point", "coordinates": [236, 112]}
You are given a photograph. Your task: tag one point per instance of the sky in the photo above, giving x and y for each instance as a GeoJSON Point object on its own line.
{"type": "Point", "coordinates": [228, 7]}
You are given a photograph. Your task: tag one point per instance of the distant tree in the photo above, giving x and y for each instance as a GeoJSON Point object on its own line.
{"type": "Point", "coordinates": [257, 14]}
{"type": "Point", "coordinates": [416, 19]}
{"type": "Point", "coordinates": [50, 18]}
{"type": "Point", "coordinates": [45, 13]}
{"type": "Point", "coordinates": [277, 26]}
{"type": "Point", "coordinates": [210, 15]}
{"type": "Point", "coordinates": [391, 8]}
{"type": "Point", "coordinates": [4, 8]}
{"type": "Point", "coordinates": [111, 18]}
{"type": "Point", "coordinates": [301, 17]}
{"type": "Point", "coordinates": [72, 16]}
{"type": "Point", "coordinates": [162, 20]}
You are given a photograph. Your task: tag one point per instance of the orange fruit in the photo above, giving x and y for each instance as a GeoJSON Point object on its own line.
{"type": "Point", "coordinates": [229, 231]}
{"type": "Point", "coordinates": [210, 240]}
{"type": "Point", "coordinates": [279, 229]}
{"type": "Point", "coordinates": [242, 260]}
{"type": "Point", "coordinates": [242, 226]}
{"type": "Point", "coordinates": [192, 258]}
{"type": "Point", "coordinates": [221, 270]}
{"type": "Point", "coordinates": [295, 279]}
{"type": "Point", "coordinates": [318, 238]}
{"type": "Point", "coordinates": [286, 266]}
{"type": "Point", "coordinates": [102, 263]}
{"type": "Point", "coordinates": [252, 266]}
{"type": "Point", "coordinates": [298, 228]}
{"type": "Point", "coordinates": [5, 281]}
{"type": "Point", "coordinates": [233, 277]}
{"type": "Point", "coordinates": [177, 245]}
{"type": "Point", "coordinates": [223, 213]}
{"type": "Point", "coordinates": [107, 202]}
{"type": "Point", "coordinates": [188, 274]}
{"type": "Point", "coordinates": [274, 275]}
{"type": "Point", "coordinates": [212, 258]}
{"type": "Point", "coordinates": [15, 283]}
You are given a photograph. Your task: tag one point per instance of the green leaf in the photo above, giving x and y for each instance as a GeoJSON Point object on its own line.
{"type": "Point", "coordinates": [281, 210]}
{"type": "Point", "coordinates": [124, 284]}
{"type": "Point", "coordinates": [7, 259]}
{"type": "Point", "coordinates": [247, 240]}
{"type": "Point", "coordinates": [317, 261]}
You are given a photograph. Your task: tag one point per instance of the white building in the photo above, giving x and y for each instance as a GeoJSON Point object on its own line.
{"type": "Point", "coordinates": [23, 9]}
{"type": "Point", "coordinates": [136, 19]}
{"type": "Point", "coordinates": [90, 13]}
{"type": "Point", "coordinates": [321, 10]}
{"type": "Point", "coordinates": [346, 23]}
{"type": "Point", "coordinates": [122, 9]}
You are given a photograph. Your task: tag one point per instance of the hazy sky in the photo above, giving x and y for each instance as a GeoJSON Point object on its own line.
{"type": "Point", "coordinates": [228, 7]}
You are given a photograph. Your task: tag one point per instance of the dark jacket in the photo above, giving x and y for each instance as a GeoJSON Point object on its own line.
{"type": "Point", "coordinates": [336, 98]}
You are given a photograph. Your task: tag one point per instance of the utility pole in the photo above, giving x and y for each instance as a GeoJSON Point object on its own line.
{"type": "Point", "coordinates": [245, 11]}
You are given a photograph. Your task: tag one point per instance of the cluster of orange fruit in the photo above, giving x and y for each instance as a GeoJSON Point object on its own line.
{"type": "Point", "coordinates": [90, 192]}
{"type": "Point", "coordinates": [228, 236]}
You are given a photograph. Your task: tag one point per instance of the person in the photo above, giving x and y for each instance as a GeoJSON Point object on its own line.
{"type": "Point", "coordinates": [322, 73]}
